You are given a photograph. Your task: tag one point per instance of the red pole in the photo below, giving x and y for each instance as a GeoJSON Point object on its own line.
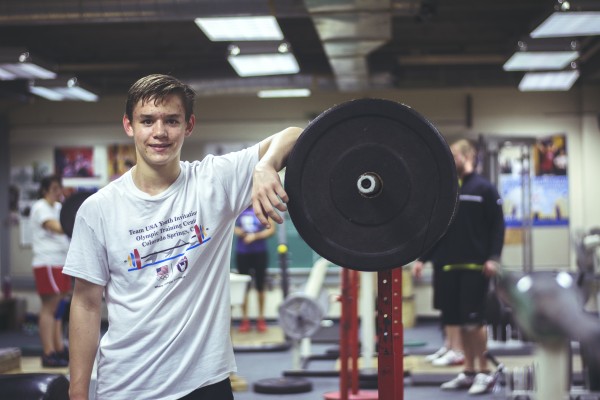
{"type": "Point", "coordinates": [390, 335]}
{"type": "Point", "coordinates": [344, 335]}
{"type": "Point", "coordinates": [354, 330]}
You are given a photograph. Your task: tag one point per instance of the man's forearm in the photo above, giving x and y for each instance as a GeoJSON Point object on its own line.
{"type": "Point", "coordinates": [84, 332]}
{"type": "Point", "coordinates": [275, 149]}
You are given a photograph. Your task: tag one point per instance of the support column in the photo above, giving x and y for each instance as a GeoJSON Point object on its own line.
{"type": "Point", "coordinates": [4, 198]}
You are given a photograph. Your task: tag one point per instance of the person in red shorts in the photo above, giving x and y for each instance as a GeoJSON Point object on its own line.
{"type": "Point", "coordinates": [50, 245]}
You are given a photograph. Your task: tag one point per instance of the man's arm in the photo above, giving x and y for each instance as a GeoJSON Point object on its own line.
{"type": "Point", "coordinates": [84, 333]}
{"type": "Point", "coordinates": [267, 191]}
{"type": "Point", "coordinates": [496, 225]}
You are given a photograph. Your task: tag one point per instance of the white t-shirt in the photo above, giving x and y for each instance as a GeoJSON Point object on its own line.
{"type": "Point", "coordinates": [164, 261]}
{"type": "Point", "coordinates": [49, 248]}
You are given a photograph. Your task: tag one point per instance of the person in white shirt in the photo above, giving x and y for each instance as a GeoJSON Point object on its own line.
{"type": "Point", "coordinates": [156, 244]}
{"type": "Point", "coordinates": [50, 245]}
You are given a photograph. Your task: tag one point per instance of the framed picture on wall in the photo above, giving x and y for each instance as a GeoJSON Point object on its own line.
{"type": "Point", "coordinates": [74, 162]}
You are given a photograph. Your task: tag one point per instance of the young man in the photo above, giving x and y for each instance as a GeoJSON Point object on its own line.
{"type": "Point", "coordinates": [465, 258]}
{"type": "Point", "coordinates": [156, 243]}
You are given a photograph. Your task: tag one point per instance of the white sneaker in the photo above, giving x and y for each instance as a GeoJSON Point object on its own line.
{"type": "Point", "coordinates": [462, 381]}
{"type": "Point", "coordinates": [483, 383]}
{"type": "Point", "coordinates": [442, 350]}
{"type": "Point", "coordinates": [450, 358]}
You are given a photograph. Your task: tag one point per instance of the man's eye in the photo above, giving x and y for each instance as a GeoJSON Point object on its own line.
{"type": "Point", "coordinates": [147, 122]}
{"type": "Point", "coordinates": [173, 122]}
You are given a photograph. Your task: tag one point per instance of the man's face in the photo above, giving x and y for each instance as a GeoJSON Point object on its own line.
{"type": "Point", "coordinates": [158, 130]}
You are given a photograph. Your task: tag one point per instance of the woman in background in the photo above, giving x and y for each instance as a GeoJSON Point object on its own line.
{"type": "Point", "coordinates": [50, 245]}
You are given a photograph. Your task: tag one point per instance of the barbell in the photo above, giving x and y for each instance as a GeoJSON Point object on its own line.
{"type": "Point", "coordinates": [372, 184]}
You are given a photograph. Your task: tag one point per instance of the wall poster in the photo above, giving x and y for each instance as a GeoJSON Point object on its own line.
{"type": "Point", "coordinates": [549, 183]}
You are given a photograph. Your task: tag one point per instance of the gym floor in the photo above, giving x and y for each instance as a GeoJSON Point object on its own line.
{"type": "Point", "coordinates": [258, 366]}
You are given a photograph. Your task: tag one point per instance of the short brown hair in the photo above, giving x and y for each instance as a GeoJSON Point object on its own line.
{"type": "Point", "coordinates": [466, 148]}
{"type": "Point", "coordinates": [156, 87]}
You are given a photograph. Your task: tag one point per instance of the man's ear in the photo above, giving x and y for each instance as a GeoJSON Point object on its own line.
{"type": "Point", "coordinates": [190, 125]}
{"type": "Point", "coordinates": [127, 125]}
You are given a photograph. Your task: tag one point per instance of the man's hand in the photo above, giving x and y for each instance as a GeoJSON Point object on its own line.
{"type": "Point", "coordinates": [490, 268]}
{"type": "Point", "coordinates": [268, 194]}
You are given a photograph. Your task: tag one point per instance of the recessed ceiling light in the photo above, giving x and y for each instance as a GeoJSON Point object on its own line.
{"type": "Point", "coordinates": [540, 60]}
{"type": "Point", "coordinates": [548, 81]}
{"type": "Point", "coordinates": [264, 64]}
{"type": "Point", "coordinates": [19, 64]}
{"type": "Point", "coordinates": [569, 24]}
{"type": "Point", "coordinates": [300, 92]}
{"type": "Point", "coordinates": [62, 90]}
{"type": "Point", "coordinates": [240, 28]}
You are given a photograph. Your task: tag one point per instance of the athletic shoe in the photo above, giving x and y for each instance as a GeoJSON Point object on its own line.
{"type": "Point", "coordinates": [483, 383]}
{"type": "Point", "coordinates": [462, 381]}
{"type": "Point", "coordinates": [450, 358]}
{"type": "Point", "coordinates": [244, 326]}
{"type": "Point", "coordinates": [442, 350]}
{"type": "Point", "coordinates": [53, 360]}
{"type": "Point", "coordinates": [64, 354]}
{"type": "Point", "coordinates": [261, 325]}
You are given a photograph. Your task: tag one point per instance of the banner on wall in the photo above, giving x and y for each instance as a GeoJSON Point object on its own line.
{"type": "Point", "coordinates": [549, 184]}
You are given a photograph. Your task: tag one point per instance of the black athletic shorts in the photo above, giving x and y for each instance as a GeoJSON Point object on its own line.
{"type": "Point", "coordinates": [255, 265]}
{"type": "Point", "coordinates": [463, 296]}
{"type": "Point", "coordinates": [220, 390]}
{"type": "Point", "coordinates": [436, 279]}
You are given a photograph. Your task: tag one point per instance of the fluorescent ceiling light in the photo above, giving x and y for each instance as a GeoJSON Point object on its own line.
{"type": "Point", "coordinates": [240, 28]}
{"type": "Point", "coordinates": [548, 81]}
{"type": "Point", "coordinates": [264, 64]}
{"type": "Point", "coordinates": [18, 64]}
{"type": "Point", "coordinates": [542, 60]}
{"type": "Point", "coordinates": [284, 93]}
{"type": "Point", "coordinates": [569, 24]}
{"type": "Point", "coordinates": [60, 90]}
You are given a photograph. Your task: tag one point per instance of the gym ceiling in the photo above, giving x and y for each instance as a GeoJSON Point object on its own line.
{"type": "Point", "coordinates": [388, 43]}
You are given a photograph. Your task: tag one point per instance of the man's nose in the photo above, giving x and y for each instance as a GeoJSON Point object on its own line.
{"type": "Point", "coordinates": [160, 128]}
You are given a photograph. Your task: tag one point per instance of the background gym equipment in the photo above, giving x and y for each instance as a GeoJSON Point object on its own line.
{"type": "Point", "coordinates": [587, 250]}
{"type": "Point", "coordinates": [372, 186]}
{"type": "Point", "coordinates": [549, 308]}
{"type": "Point", "coordinates": [34, 386]}
{"type": "Point", "coordinates": [490, 149]}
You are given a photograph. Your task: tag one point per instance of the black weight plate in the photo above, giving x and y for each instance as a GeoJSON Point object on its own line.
{"type": "Point", "coordinates": [69, 210]}
{"type": "Point", "coordinates": [400, 148]}
{"type": "Point", "coordinates": [282, 385]}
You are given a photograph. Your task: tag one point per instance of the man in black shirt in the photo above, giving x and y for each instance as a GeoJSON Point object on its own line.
{"type": "Point", "coordinates": [464, 260]}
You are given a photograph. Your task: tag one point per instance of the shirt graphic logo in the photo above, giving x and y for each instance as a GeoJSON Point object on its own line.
{"type": "Point", "coordinates": [183, 264]}
{"type": "Point", "coordinates": [199, 236]}
{"type": "Point", "coordinates": [162, 273]}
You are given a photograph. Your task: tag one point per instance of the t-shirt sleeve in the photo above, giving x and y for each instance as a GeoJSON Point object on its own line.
{"type": "Point", "coordinates": [235, 173]}
{"type": "Point", "coordinates": [41, 214]}
{"type": "Point", "coordinates": [87, 257]}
